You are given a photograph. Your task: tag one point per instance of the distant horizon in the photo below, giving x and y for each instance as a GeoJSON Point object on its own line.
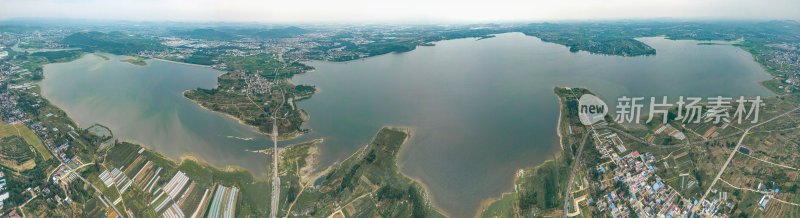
{"type": "Point", "coordinates": [398, 12]}
{"type": "Point", "coordinates": [65, 20]}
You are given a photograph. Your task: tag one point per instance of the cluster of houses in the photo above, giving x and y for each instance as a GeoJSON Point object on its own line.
{"type": "Point", "coordinates": [634, 187]}
{"type": "Point", "coordinates": [48, 135]}
{"type": "Point", "coordinates": [786, 58]}
{"type": "Point", "coordinates": [8, 107]}
{"type": "Point", "coordinates": [255, 83]}
{"type": "Point", "coordinates": [11, 111]}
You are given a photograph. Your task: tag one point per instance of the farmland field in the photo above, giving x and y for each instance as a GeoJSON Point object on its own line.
{"type": "Point", "coordinates": [28, 135]}
{"type": "Point", "coordinates": [16, 154]}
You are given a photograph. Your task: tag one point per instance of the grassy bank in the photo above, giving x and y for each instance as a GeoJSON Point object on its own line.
{"type": "Point", "coordinates": [367, 184]}
{"type": "Point", "coordinates": [539, 191]}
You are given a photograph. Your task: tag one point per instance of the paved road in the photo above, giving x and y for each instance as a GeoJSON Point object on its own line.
{"type": "Point", "coordinates": [72, 171]}
{"type": "Point", "coordinates": [733, 153]}
{"type": "Point", "coordinates": [101, 193]}
{"type": "Point", "coordinates": [276, 180]}
{"type": "Point", "coordinates": [575, 166]}
{"type": "Point", "coordinates": [628, 135]}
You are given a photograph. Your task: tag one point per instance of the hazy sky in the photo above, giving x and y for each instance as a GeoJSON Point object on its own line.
{"type": "Point", "coordinates": [333, 11]}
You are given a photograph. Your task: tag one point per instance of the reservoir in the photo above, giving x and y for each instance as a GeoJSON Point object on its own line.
{"type": "Point", "coordinates": [145, 104]}
{"type": "Point", "coordinates": [483, 109]}
{"type": "Point", "coordinates": [480, 109]}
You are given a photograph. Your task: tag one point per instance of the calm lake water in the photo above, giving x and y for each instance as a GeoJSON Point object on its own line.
{"type": "Point", "coordinates": [481, 109]}
{"type": "Point", "coordinates": [145, 104]}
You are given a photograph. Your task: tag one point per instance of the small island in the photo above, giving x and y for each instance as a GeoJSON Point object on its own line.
{"type": "Point", "coordinates": [138, 61]}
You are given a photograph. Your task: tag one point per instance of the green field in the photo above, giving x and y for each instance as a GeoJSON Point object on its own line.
{"type": "Point", "coordinates": [16, 154]}
{"type": "Point", "coordinates": [229, 98]}
{"type": "Point", "coordinates": [125, 155]}
{"type": "Point", "coordinates": [27, 134]}
{"type": "Point", "coordinates": [368, 184]}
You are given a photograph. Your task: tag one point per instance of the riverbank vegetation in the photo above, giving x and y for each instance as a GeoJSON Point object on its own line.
{"type": "Point", "coordinates": [539, 191]}
{"type": "Point", "coordinates": [367, 184]}
{"type": "Point", "coordinates": [112, 42]}
{"type": "Point", "coordinates": [586, 38]}
{"type": "Point", "coordinates": [147, 169]}
{"type": "Point", "coordinates": [138, 61]}
{"type": "Point", "coordinates": [255, 88]}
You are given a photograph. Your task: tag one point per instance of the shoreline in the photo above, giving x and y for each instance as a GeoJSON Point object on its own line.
{"type": "Point", "coordinates": [486, 203]}
{"type": "Point", "coordinates": [281, 137]}
{"type": "Point", "coordinates": [177, 159]}
{"type": "Point", "coordinates": [268, 151]}
{"type": "Point", "coordinates": [481, 208]}
{"type": "Point", "coordinates": [424, 45]}
{"type": "Point", "coordinates": [410, 132]}
{"type": "Point", "coordinates": [178, 62]}
{"type": "Point", "coordinates": [411, 136]}
{"type": "Point", "coordinates": [558, 123]}
{"type": "Point", "coordinates": [137, 61]}
{"type": "Point", "coordinates": [192, 157]}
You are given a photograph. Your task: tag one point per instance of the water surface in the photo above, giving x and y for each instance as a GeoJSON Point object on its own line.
{"type": "Point", "coordinates": [145, 104]}
{"type": "Point", "coordinates": [483, 109]}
